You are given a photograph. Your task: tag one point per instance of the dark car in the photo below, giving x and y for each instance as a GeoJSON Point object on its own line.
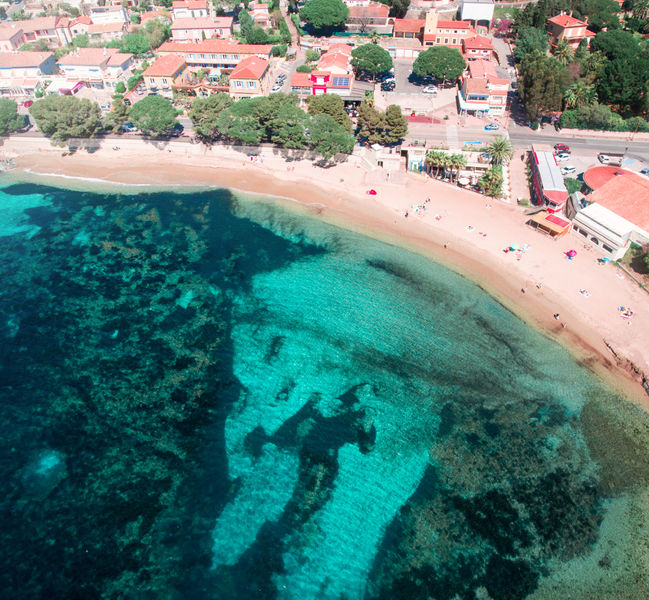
{"type": "Point", "coordinates": [388, 86]}
{"type": "Point", "coordinates": [177, 130]}
{"type": "Point", "coordinates": [127, 102]}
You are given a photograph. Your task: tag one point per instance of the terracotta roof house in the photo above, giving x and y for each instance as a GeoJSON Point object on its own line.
{"type": "Point", "coordinates": [250, 78]}
{"type": "Point", "coordinates": [483, 96]}
{"type": "Point", "coordinates": [409, 28]}
{"type": "Point", "coordinates": [160, 76]}
{"type": "Point", "coordinates": [183, 9]}
{"type": "Point", "coordinates": [337, 62]}
{"type": "Point", "coordinates": [201, 28]}
{"type": "Point", "coordinates": [97, 67]}
{"type": "Point", "coordinates": [21, 73]}
{"type": "Point", "coordinates": [11, 37]}
{"type": "Point", "coordinates": [402, 47]}
{"type": "Point", "coordinates": [374, 17]}
{"type": "Point", "coordinates": [79, 26]}
{"type": "Point", "coordinates": [214, 54]}
{"type": "Point", "coordinates": [615, 212]}
{"type": "Point", "coordinates": [106, 31]}
{"type": "Point", "coordinates": [52, 29]}
{"type": "Point", "coordinates": [445, 33]}
{"type": "Point", "coordinates": [568, 28]}
{"type": "Point", "coordinates": [481, 69]}
{"type": "Point", "coordinates": [477, 46]}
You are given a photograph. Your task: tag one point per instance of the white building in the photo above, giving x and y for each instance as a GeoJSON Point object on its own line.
{"type": "Point", "coordinates": [479, 12]}
{"type": "Point", "coordinates": [103, 15]}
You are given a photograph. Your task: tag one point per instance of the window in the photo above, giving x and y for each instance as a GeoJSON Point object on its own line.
{"type": "Point", "coordinates": [446, 40]}
{"type": "Point", "coordinates": [584, 233]}
{"type": "Point", "coordinates": [164, 81]}
{"type": "Point", "coordinates": [594, 240]}
{"type": "Point", "coordinates": [455, 41]}
{"type": "Point", "coordinates": [252, 84]}
{"type": "Point", "coordinates": [607, 248]}
{"type": "Point", "coordinates": [439, 40]}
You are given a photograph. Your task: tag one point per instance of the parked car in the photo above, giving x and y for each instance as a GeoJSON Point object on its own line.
{"type": "Point", "coordinates": [388, 78]}
{"type": "Point", "coordinates": [28, 103]}
{"type": "Point", "coordinates": [563, 157]}
{"type": "Point", "coordinates": [492, 127]}
{"type": "Point", "coordinates": [177, 130]}
{"type": "Point", "coordinates": [568, 170]}
{"type": "Point", "coordinates": [388, 86]}
{"type": "Point", "coordinates": [129, 127]}
{"type": "Point", "coordinates": [276, 88]}
{"type": "Point", "coordinates": [564, 148]}
{"type": "Point", "coordinates": [127, 102]}
{"type": "Point", "coordinates": [645, 171]}
{"type": "Point", "coordinates": [430, 89]}
{"type": "Point", "coordinates": [604, 158]}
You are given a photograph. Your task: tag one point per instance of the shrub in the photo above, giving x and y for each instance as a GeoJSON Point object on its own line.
{"type": "Point", "coordinates": [304, 69]}
{"type": "Point", "coordinates": [279, 50]}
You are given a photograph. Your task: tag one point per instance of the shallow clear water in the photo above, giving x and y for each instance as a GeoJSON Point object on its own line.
{"type": "Point", "coordinates": [208, 397]}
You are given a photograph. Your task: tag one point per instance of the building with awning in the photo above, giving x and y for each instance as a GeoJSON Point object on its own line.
{"type": "Point", "coordinates": [548, 187]}
{"type": "Point", "coordinates": [549, 223]}
{"type": "Point", "coordinates": [63, 87]}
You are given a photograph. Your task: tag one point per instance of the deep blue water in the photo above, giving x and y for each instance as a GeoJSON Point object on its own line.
{"type": "Point", "coordinates": [206, 396]}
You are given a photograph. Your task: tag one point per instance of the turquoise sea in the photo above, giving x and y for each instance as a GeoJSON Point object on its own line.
{"type": "Point", "coordinates": [212, 396]}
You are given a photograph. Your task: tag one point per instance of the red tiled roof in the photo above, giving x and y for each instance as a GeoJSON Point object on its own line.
{"type": "Point", "coordinates": [498, 81]}
{"type": "Point", "coordinates": [321, 73]}
{"type": "Point", "coordinates": [9, 60]}
{"type": "Point", "coordinates": [481, 69]}
{"type": "Point", "coordinates": [202, 23]}
{"type": "Point", "coordinates": [340, 49]}
{"type": "Point", "coordinates": [215, 47]}
{"type": "Point", "coordinates": [567, 21]}
{"type": "Point", "coordinates": [167, 65]}
{"type": "Point", "coordinates": [339, 60]}
{"type": "Point", "coordinates": [381, 11]}
{"type": "Point", "coordinates": [476, 86]}
{"type": "Point", "coordinates": [478, 42]}
{"type": "Point", "coordinates": [453, 25]}
{"type": "Point", "coordinates": [251, 67]}
{"type": "Point", "coordinates": [88, 56]}
{"type": "Point", "coordinates": [105, 28]}
{"type": "Point", "coordinates": [408, 25]}
{"type": "Point", "coordinates": [301, 80]}
{"type": "Point", "coordinates": [190, 4]}
{"type": "Point", "coordinates": [82, 19]}
{"type": "Point", "coordinates": [556, 196]}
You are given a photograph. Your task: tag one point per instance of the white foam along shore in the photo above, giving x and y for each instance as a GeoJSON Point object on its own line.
{"type": "Point", "coordinates": [461, 229]}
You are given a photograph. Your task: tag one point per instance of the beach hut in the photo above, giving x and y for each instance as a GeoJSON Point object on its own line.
{"type": "Point", "coordinates": [551, 224]}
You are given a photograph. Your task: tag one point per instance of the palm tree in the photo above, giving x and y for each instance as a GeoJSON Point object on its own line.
{"type": "Point", "coordinates": [579, 94]}
{"type": "Point", "coordinates": [456, 162]}
{"type": "Point", "coordinates": [500, 150]}
{"type": "Point", "coordinates": [563, 52]}
{"type": "Point", "coordinates": [436, 159]}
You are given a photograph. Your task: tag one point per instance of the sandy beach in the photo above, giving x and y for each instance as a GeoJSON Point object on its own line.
{"type": "Point", "coordinates": [461, 229]}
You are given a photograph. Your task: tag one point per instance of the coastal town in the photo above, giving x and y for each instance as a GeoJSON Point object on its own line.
{"type": "Point", "coordinates": [531, 114]}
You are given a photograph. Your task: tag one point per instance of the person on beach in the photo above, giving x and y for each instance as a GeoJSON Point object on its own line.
{"type": "Point", "coordinates": [556, 316]}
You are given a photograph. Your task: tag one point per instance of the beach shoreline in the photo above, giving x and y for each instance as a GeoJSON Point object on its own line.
{"type": "Point", "coordinates": [461, 230]}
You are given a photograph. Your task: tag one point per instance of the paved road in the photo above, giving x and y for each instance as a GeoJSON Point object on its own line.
{"type": "Point", "coordinates": [638, 150]}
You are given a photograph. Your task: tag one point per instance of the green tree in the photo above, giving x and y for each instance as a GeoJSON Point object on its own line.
{"type": "Point", "coordinates": [572, 185]}
{"type": "Point", "coordinates": [257, 36]}
{"type": "Point", "coordinates": [500, 150]}
{"type": "Point", "coordinates": [371, 59]}
{"type": "Point", "coordinates": [304, 69]}
{"type": "Point", "coordinates": [157, 32]}
{"type": "Point", "coordinates": [205, 112]}
{"type": "Point", "coordinates": [369, 124]}
{"type": "Point", "coordinates": [578, 94]}
{"type": "Point", "coordinates": [332, 105]}
{"type": "Point", "coordinates": [398, 8]}
{"type": "Point", "coordinates": [288, 128]}
{"type": "Point", "coordinates": [327, 138]}
{"type": "Point", "coordinates": [117, 117]}
{"type": "Point", "coordinates": [530, 40]}
{"type": "Point", "coordinates": [120, 88]}
{"type": "Point", "coordinates": [324, 15]}
{"type": "Point", "coordinates": [134, 79]}
{"type": "Point", "coordinates": [395, 125]}
{"type": "Point", "coordinates": [542, 84]}
{"type": "Point", "coordinates": [10, 120]}
{"type": "Point", "coordinates": [601, 14]}
{"type": "Point", "coordinates": [312, 55]}
{"type": "Point", "coordinates": [440, 62]}
{"type": "Point", "coordinates": [81, 41]}
{"type": "Point", "coordinates": [616, 44]}
{"type": "Point", "coordinates": [240, 122]}
{"type": "Point", "coordinates": [624, 83]}
{"type": "Point", "coordinates": [134, 43]}
{"type": "Point", "coordinates": [245, 23]}
{"type": "Point", "coordinates": [135, 19]}
{"type": "Point", "coordinates": [154, 115]}
{"type": "Point", "coordinates": [491, 183]}
{"type": "Point", "coordinates": [63, 117]}
{"type": "Point", "coordinates": [285, 32]}
{"type": "Point", "coordinates": [563, 52]}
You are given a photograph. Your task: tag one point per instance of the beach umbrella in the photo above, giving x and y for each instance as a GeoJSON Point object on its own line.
{"type": "Point", "coordinates": [372, 192]}
{"type": "Point", "coordinates": [571, 253]}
